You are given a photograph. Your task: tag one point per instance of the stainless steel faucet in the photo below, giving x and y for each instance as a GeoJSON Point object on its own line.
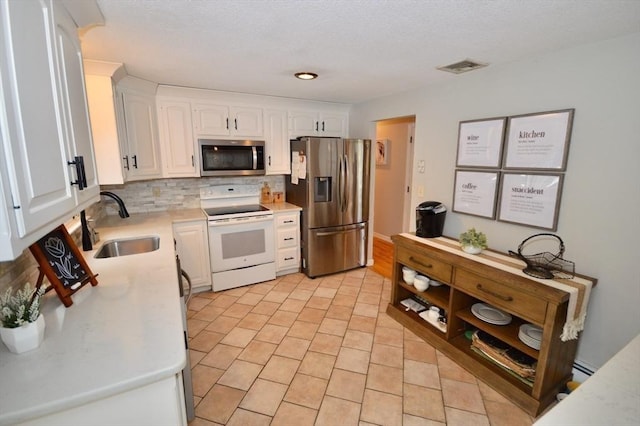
{"type": "Point", "coordinates": [123, 210]}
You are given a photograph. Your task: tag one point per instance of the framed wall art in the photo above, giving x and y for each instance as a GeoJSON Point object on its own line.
{"type": "Point", "coordinates": [539, 141]}
{"type": "Point", "coordinates": [475, 192]}
{"type": "Point", "coordinates": [382, 152]}
{"type": "Point", "coordinates": [531, 199]}
{"type": "Point", "coordinates": [480, 143]}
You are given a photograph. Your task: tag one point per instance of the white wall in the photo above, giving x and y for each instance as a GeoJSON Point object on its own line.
{"type": "Point", "coordinates": [599, 217]}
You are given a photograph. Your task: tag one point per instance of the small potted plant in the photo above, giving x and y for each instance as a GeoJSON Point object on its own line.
{"type": "Point", "coordinates": [22, 323]}
{"type": "Point", "coordinates": [472, 241]}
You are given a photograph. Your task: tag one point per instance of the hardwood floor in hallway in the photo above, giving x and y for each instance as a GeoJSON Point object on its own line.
{"type": "Point", "coordinates": [382, 257]}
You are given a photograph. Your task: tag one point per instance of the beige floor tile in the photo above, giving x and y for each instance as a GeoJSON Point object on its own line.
{"type": "Point", "coordinates": [386, 321]}
{"type": "Point", "coordinates": [276, 296]}
{"type": "Point", "coordinates": [311, 315]}
{"type": "Point", "coordinates": [331, 281]}
{"type": "Point", "coordinates": [292, 305]}
{"type": "Point", "coordinates": [264, 397]}
{"type": "Point", "coordinates": [326, 292]}
{"type": "Point", "coordinates": [240, 375]}
{"type": "Point", "coordinates": [423, 402]}
{"type": "Point", "coordinates": [247, 418]}
{"type": "Point", "coordinates": [347, 385]}
{"type": "Point", "coordinates": [300, 294]}
{"type": "Point", "coordinates": [250, 299]}
{"type": "Point", "coordinates": [258, 352]}
{"type": "Point", "coordinates": [303, 330]}
{"type": "Point", "coordinates": [287, 286]}
{"type": "Point", "coordinates": [360, 323]}
{"type": "Point", "coordinates": [223, 323]}
{"type": "Point", "coordinates": [265, 308]}
{"type": "Point", "coordinates": [387, 355]}
{"type": "Point", "coordinates": [457, 417]}
{"type": "Point", "coordinates": [209, 312]}
{"type": "Point", "coordinates": [353, 360]}
{"type": "Point", "coordinates": [272, 333]}
{"type": "Point", "coordinates": [237, 292]}
{"type": "Point", "coordinates": [205, 341]}
{"type": "Point", "coordinates": [421, 374]}
{"type": "Point", "coordinates": [352, 281]}
{"type": "Point", "coordinates": [238, 310]}
{"type": "Point", "coordinates": [195, 326]}
{"type": "Point", "coordinates": [346, 300]}
{"type": "Point", "coordinates": [409, 420]}
{"type": "Point", "coordinates": [283, 318]}
{"type": "Point", "coordinates": [195, 356]}
{"type": "Point", "coordinates": [261, 288]}
{"type": "Point", "coordinates": [339, 312]}
{"type": "Point", "coordinates": [385, 379]}
{"type": "Point", "coordinates": [292, 347]}
{"type": "Point", "coordinates": [369, 298]}
{"type": "Point", "coordinates": [488, 394]}
{"type": "Point", "coordinates": [204, 378]}
{"type": "Point", "coordinates": [461, 395]}
{"type": "Point", "coordinates": [223, 301]}
{"type": "Point", "coordinates": [318, 303]}
{"type": "Point", "coordinates": [221, 356]}
{"type": "Point", "coordinates": [334, 411]}
{"type": "Point", "coordinates": [196, 303]}
{"type": "Point", "coordinates": [381, 408]}
{"type": "Point", "coordinates": [506, 414]}
{"type": "Point", "coordinates": [254, 321]}
{"type": "Point", "coordinates": [307, 391]}
{"type": "Point", "coordinates": [326, 344]}
{"type": "Point", "coordinates": [317, 364]}
{"type": "Point", "coordinates": [292, 414]}
{"type": "Point", "coordinates": [366, 310]}
{"type": "Point", "coordinates": [239, 337]}
{"type": "Point", "coordinates": [358, 340]}
{"type": "Point", "coordinates": [420, 351]}
{"type": "Point", "coordinates": [202, 422]}
{"type": "Point", "coordinates": [450, 370]}
{"type": "Point", "coordinates": [348, 289]}
{"type": "Point", "coordinates": [332, 326]}
{"type": "Point", "coordinates": [389, 336]}
{"type": "Point", "coordinates": [280, 369]}
{"type": "Point", "coordinates": [219, 404]}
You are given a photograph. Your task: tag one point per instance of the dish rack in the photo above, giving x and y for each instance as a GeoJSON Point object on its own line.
{"type": "Point", "coordinates": [546, 265]}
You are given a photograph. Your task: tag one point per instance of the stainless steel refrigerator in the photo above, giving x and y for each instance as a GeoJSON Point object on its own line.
{"type": "Point", "coordinates": [334, 196]}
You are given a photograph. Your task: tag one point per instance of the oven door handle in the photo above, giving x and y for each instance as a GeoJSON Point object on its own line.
{"type": "Point", "coordinates": [240, 221]}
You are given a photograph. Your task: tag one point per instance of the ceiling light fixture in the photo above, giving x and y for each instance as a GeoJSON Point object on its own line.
{"type": "Point", "coordinates": [306, 75]}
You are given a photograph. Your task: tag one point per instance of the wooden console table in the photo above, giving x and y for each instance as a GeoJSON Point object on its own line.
{"type": "Point", "coordinates": [467, 281]}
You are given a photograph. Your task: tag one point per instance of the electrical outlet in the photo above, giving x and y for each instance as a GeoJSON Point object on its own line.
{"type": "Point", "coordinates": [420, 191]}
{"type": "Point", "coordinates": [156, 192]}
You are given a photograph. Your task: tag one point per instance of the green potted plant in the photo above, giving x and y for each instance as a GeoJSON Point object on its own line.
{"type": "Point", "coordinates": [473, 241]}
{"type": "Point", "coordinates": [22, 323]}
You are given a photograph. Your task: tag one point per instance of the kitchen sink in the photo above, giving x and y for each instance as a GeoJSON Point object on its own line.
{"type": "Point", "coordinates": [128, 246]}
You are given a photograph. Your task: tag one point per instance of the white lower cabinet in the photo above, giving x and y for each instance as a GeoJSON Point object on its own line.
{"type": "Point", "coordinates": [287, 225]}
{"type": "Point", "coordinates": [159, 403]}
{"type": "Point", "coordinates": [192, 245]}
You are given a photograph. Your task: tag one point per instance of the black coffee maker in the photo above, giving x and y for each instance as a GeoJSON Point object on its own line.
{"type": "Point", "coordinates": [430, 219]}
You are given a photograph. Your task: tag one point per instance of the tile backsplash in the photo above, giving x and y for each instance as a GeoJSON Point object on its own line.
{"type": "Point", "coordinates": [139, 197]}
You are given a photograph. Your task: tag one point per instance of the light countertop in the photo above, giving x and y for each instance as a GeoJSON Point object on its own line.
{"type": "Point", "coordinates": [282, 207]}
{"type": "Point", "coordinates": [610, 397]}
{"type": "Point", "coordinates": [124, 333]}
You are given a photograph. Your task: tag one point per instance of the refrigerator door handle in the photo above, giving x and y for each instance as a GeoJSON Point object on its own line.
{"type": "Point", "coordinates": [341, 231]}
{"type": "Point", "coordinates": [346, 184]}
{"type": "Point", "coordinates": [341, 177]}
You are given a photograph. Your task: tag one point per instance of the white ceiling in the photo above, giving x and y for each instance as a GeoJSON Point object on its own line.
{"type": "Point", "coordinates": [362, 49]}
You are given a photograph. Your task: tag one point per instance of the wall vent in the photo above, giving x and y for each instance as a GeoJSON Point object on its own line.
{"type": "Point", "coordinates": [462, 66]}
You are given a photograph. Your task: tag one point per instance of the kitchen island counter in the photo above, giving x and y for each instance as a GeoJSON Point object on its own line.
{"type": "Point", "coordinates": [121, 335]}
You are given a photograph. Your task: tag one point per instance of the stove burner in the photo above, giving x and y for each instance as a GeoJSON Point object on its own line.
{"type": "Point", "coordinates": [228, 210]}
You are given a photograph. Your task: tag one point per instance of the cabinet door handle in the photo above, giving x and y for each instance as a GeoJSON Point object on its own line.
{"type": "Point", "coordinates": [323, 126]}
{"type": "Point", "coordinates": [494, 294]}
{"type": "Point", "coordinates": [426, 265]}
{"type": "Point", "coordinates": [81, 181]}
{"type": "Point", "coordinates": [135, 161]}
{"type": "Point", "coordinates": [192, 163]}
{"type": "Point", "coordinates": [288, 258]}
{"type": "Point", "coordinates": [269, 160]}
{"type": "Point", "coordinates": [227, 123]}
{"type": "Point", "coordinates": [235, 123]}
{"type": "Point", "coordinates": [317, 125]}
{"type": "Point", "coordinates": [288, 239]}
{"type": "Point", "coordinates": [126, 162]}
{"type": "Point", "coordinates": [288, 221]}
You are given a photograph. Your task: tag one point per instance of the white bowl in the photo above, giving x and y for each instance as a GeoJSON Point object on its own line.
{"type": "Point", "coordinates": [421, 283]}
{"type": "Point", "coordinates": [408, 275]}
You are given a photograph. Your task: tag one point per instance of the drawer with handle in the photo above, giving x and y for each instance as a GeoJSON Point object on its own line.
{"type": "Point", "coordinates": [286, 220]}
{"type": "Point", "coordinates": [501, 296]}
{"type": "Point", "coordinates": [287, 237]}
{"type": "Point", "coordinates": [426, 265]}
{"type": "Point", "coordinates": [288, 258]}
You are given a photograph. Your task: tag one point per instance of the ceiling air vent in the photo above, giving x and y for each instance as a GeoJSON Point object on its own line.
{"type": "Point", "coordinates": [462, 66]}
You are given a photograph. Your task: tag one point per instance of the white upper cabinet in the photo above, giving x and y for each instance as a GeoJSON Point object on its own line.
{"type": "Point", "coordinates": [141, 151]}
{"type": "Point", "coordinates": [313, 123]}
{"type": "Point", "coordinates": [48, 171]}
{"type": "Point", "coordinates": [276, 142]}
{"type": "Point", "coordinates": [222, 120]}
{"type": "Point", "coordinates": [176, 139]}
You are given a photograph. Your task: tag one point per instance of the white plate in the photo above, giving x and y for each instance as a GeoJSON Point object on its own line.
{"type": "Point", "coordinates": [531, 331]}
{"type": "Point", "coordinates": [490, 314]}
{"type": "Point", "coordinates": [529, 342]}
{"type": "Point", "coordinates": [434, 283]}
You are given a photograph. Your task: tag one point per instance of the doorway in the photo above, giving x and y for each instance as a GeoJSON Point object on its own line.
{"type": "Point", "coordinates": [393, 176]}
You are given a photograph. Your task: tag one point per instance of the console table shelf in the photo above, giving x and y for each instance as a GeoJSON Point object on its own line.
{"type": "Point", "coordinates": [467, 281]}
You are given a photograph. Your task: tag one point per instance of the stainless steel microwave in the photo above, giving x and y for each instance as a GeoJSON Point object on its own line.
{"type": "Point", "coordinates": [231, 157]}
